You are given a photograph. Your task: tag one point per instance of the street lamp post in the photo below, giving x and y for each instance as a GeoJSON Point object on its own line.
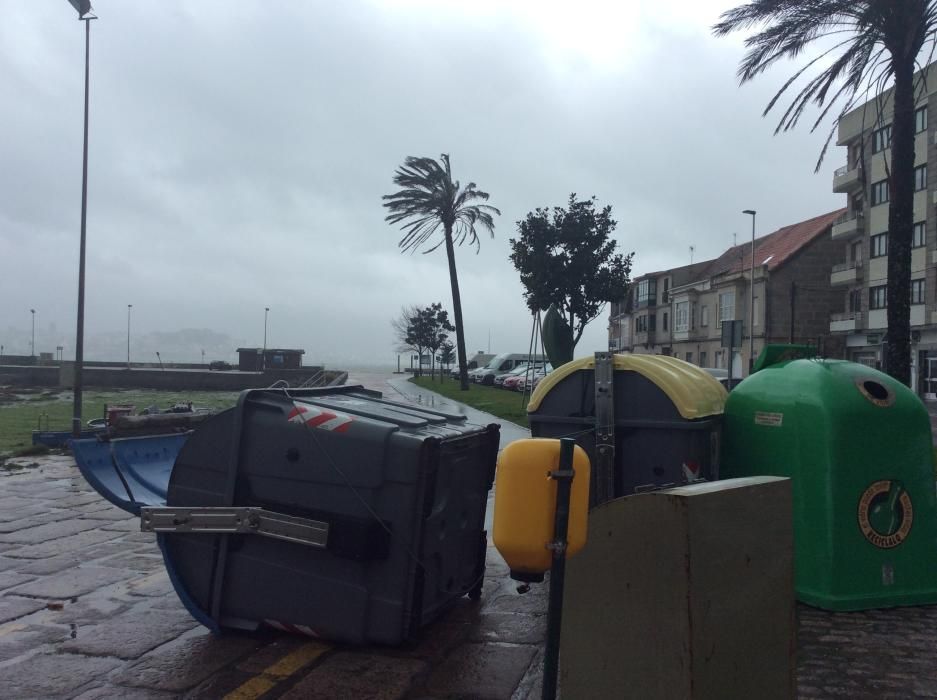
{"type": "Point", "coordinates": [263, 357]}
{"type": "Point", "coordinates": [32, 343]}
{"type": "Point", "coordinates": [129, 306]}
{"type": "Point", "coordinates": [751, 300]}
{"type": "Point", "coordinates": [84, 14]}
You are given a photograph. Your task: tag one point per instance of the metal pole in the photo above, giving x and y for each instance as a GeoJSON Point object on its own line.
{"type": "Point", "coordinates": [751, 300]}
{"type": "Point", "coordinates": [80, 332]}
{"type": "Point", "coordinates": [32, 343]}
{"type": "Point", "coordinates": [564, 479]}
{"type": "Point", "coordinates": [263, 358]}
{"type": "Point", "coordinates": [129, 306]}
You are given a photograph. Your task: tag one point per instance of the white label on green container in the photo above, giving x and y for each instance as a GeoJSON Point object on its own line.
{"type": "Point", "coordinates": [773, 419]}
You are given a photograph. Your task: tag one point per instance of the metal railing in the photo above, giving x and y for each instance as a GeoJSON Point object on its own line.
{"type": "Point", "coordinates": [848, 216]}
{"type": "Point", "coordinates": [846, 316]}
{"type": "Point", "coordinates": [848, 265]}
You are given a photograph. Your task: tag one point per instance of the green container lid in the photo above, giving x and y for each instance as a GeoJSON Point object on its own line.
{"type": "Point", "coordinates": [857, 447]}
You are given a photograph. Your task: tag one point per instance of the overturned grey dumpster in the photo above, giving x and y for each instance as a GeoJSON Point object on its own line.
{"type": "Point", "coordinates": [330, 512]}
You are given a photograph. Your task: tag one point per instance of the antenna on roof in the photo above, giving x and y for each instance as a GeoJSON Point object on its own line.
{"type": "Point", "coordinates": [692, 249]}
{"type": "Point", "coordinates": [734, 243]}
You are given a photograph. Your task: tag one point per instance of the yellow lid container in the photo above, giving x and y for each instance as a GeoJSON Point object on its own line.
{"type": "Point", "coordinates": [525, 505]}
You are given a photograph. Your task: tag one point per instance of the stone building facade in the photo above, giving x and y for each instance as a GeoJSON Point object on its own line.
{"type": "Point", "coordinates": [680, 311]}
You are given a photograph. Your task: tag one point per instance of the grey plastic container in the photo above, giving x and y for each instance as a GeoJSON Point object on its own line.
{"type": "Point", "coordinates": [403, 488]}
{"type": "Point", "coordinates": [655, 445]}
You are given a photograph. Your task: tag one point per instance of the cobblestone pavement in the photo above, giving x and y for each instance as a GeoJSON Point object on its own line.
{"type": "Point", "coordinates": [87, 611]}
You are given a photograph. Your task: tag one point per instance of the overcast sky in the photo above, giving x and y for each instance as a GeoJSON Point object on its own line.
{"type": "Point", "coordinates": [239, 150]}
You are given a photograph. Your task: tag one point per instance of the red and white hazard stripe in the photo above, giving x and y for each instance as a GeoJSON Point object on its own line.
{"type": "Point", "coordinates": [316, 417]}
{"type": "Point", "coordinates": [292, 629]}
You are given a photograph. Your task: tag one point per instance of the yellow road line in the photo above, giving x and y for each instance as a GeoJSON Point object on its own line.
{"type": "Point", "coordinates": [254, 688]}
{"type": "Point", "coordinates": [278, 671]}
{"type": "Point", "coordinates": [292, 662]}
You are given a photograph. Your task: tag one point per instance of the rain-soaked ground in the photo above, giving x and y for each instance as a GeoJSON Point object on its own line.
{"type": "Point", "coordinates": [87, 611]}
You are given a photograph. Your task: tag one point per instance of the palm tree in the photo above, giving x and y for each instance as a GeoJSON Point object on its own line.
{"type": "Point", "coordinates": [868, 43]}
{"type": "Point", "coordinates": [431, 203]}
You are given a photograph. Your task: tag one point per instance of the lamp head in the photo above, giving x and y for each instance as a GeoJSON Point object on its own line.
{"type": "Point", "coordinates": [749, 211]}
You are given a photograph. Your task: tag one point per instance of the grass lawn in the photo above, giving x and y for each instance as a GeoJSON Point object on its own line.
{"type": "Point", "coordinates": [54, 411]}
{"type": "Point", "coordinates": [496, 401]}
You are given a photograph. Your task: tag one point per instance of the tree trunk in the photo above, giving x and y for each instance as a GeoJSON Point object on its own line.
{"type": "Point", "coordinates": [457, 311]}
{"type": "Point", "coordinates": [900, 225]}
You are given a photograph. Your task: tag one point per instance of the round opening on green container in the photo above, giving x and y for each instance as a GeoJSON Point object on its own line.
{"type": "Point", "coordinates": [875, 391]}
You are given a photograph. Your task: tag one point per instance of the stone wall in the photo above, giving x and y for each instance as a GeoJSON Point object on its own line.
{"type": "Point", "coordinates": [167, 379]}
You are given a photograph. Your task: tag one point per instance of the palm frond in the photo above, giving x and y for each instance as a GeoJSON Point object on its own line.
{"type": "Point", "coordinates": [430, 201]}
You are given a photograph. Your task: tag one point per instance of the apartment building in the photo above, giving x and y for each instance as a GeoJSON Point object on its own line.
{"type": "Point", "coordinates": [679, 312]}
{"type": "Point", "coordinates": [861, 273]}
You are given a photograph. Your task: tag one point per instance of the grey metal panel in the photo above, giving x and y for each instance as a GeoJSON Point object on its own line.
{"type": "Point", "coordinates": [685, 593]}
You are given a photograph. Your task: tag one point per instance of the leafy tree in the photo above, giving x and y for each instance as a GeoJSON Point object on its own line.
{"type": "Point", "coordinates": [866, 44]}
{"type": "Point", "coordinates": [401, 326]}
{"type": "Point", "coordinates": [432, 203]}
{"type": "Point", "coordinates": [432, 326]}
{"type": "Point", "coordinates": [567, 260]}
{"type": "Point", "coordinates": [446, 353]}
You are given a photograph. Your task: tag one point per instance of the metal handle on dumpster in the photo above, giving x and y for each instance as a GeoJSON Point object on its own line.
{"type": "Point", "coordinates": [234, 520]}
{"type": "Point", "coordinates": [604, 468]}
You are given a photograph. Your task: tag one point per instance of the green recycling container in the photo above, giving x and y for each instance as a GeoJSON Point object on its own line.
{"type": "Point", "coordinates": [857, 447]}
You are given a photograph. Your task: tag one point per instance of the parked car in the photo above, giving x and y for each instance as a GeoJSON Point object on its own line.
{"type": "Point", "coordinates": [532, 378]}
{"type": "Point", "coordinates": [501, 364]}
{"type": "Point", "coordinates": [219, 365]}
{"type": "Point", "coordinates": [720, 375]}
{"type": "Point", "coordinates": [501, 379]}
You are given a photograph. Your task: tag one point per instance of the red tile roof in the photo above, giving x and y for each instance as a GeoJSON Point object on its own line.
{"type": "Point", "coordinates": [774, 249]}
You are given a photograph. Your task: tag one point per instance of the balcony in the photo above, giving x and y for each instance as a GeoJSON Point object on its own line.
{"type": "Point", "coordinates": [847, 179]}
{"type": "Point", "coordinates": [846, 321]}
{"type": "Point", "coordinates": [848, 272]}
{"type": "Point", "coordinates": [848, 225]}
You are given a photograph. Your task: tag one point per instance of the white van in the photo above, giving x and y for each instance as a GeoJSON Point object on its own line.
{"type": "Point", "coordinates": [502, 364]}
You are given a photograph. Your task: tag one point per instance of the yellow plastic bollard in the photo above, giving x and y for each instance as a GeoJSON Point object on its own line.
{"type": "Point", "coordinates": [525, 505]}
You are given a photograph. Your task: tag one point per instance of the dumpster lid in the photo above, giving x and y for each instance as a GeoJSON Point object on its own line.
{"type": "Point", "coordinates": [693, 391]}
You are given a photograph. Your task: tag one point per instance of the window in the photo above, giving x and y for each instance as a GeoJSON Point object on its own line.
{"type": "Point", "coordinates": [682, 317]}
{"type": "Point", "coordinates": [651, 322]}
{"type": "Point", "coordinates": [646, 293]}
{"type": "Point", "coordinates": [689, 357]}
{"type": "Point", "coordinates": [881, 139]}
{"type": "Point", "coordinates": [702, 359]}
{"type": "Point", "coordinates": [664, 298]}
{"type": "Point", "coordinates": [855, 253]}
{"type": "Point", "coordinates": [665, 318]}
{"type": "Point", "coordinates": [640, 324]}
{"type": "Point", "coordinates": [879, 192]}
{"type": "Point", "coordinates": [917, 291]}
{"type": "Point", "coordinates": [855, 300]}
{"type": "Point", "coordinates": [920, 119]}
{"type": "Point", "coordinates": [704, 316]}
{"type": "Point", "coordinates": [878, 245]}
{"type": "Point", "coordinates": [920, 178]}
{"type": "Point", "coordinates": [727, 306]}
{"type": "Point", "coordinates": [878, 297]}
{"type": "Point", "coordinates": [719, 356]}
{"type": "Point", "coordinates": [919, 236]}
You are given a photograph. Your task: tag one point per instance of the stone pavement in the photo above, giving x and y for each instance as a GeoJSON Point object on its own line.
{"type": "Point", "coordinates": [87, 611]}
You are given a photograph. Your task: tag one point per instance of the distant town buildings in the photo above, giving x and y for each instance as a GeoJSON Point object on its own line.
{"type": "Point", "coordinates": [680, 311]}
{"type": "Point", "coordinates": [821, 281]}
